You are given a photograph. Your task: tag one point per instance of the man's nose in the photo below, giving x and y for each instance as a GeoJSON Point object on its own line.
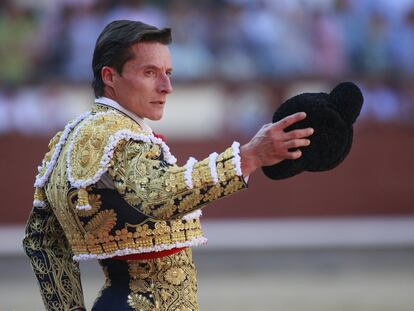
{"type": "Point", "coordinates": [164, 84]}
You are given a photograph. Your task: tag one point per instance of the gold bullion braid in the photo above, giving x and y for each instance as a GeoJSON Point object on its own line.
{"type": "Point", "coordinates": [159, 190]}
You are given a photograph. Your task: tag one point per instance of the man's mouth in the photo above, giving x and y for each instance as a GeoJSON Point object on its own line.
{"type": "Point", "coordinates": [158, 102]}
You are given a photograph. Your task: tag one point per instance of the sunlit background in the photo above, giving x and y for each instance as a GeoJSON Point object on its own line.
{"type": "Point", "coordinates": [341, 240]}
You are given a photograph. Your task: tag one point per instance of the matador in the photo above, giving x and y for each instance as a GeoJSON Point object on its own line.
{"type": "Point", "coordinates": [109, 188]}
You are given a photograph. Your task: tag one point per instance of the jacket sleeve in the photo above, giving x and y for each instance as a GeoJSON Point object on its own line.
{"type": "Point", "coordinates": [57, 274]}
{"type": "Point", "coordinates": [162, 191]}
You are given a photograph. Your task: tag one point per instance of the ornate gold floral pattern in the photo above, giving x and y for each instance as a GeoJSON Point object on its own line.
{"type": "Point", "coordinates": [58, 275]}
{"type": "Point", "coordinates": [163, 284]}
{"type": "Point", "coordinates": [175, 276]}
{"type": "Point", "coordinates": [140, 303]}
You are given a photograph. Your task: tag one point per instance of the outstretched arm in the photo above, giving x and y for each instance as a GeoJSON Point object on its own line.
{"type": "Point", "coordinates": [162, 191]}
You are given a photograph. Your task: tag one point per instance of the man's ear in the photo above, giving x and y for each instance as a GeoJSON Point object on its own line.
{"type": "Point", "coordinates": [108, 75]}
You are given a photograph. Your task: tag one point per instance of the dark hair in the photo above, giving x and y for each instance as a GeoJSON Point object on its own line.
{"type": "Point", "coordinates": [113, 46]}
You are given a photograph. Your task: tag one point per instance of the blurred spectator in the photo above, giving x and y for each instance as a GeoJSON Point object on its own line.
{"type": "Point", "coordinates": [51, 47]}
{"type": "Point", "coordinates": [137, 10]}
{"type": "Point", "coordinates": [192, 58]}
{"type": "Point", "coordinates": [350, 22]}
{"type": "Point", "coordinates": [263, 37]}
{"type": "Point", "coordinates": [376, 50]}
{"type": "Point", "coordinates": [329, 46]}
{"type": "Point", "coordinates": [17, 29]}
{"type": "Point", "coordinates": [403, 43]}
{"type": "Point", "coordinates": [83, 23]}
{"type": "Point", "coordinates": [295, 51]}
{"type": "Point", "coordinates": [230, 47]}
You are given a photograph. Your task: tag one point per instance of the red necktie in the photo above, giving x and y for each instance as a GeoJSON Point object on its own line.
{"type": "Point", "coordinates": [160, 136]}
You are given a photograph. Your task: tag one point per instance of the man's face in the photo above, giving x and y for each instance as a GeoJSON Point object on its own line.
{"type": "Point", "coordinates": [144, 84]}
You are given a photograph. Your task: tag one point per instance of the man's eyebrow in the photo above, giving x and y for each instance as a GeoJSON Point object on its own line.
{"type": "Point", "coordinates": [148, 66]}
{"type": "Point", "coordinates": [152, 66]}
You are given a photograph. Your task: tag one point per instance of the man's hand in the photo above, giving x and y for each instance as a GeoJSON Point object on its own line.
{"type": "Point", "coordinates": [271, 143]}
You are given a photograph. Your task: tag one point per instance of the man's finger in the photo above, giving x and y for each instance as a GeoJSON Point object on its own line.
{"type": "Point", "coordinates": [298, 134]}
{"type": "Point", "coordinates": [289, 120]}
{"type": "Point", "coordinates": [294, 155]}
{"type": "Point", "coordinates": [296, 143]}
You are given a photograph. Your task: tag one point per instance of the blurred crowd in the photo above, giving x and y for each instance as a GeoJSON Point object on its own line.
{"type": "Point", "coordinates": [233, 39]}
{"type": "Point", "coordinates": [228, 40]}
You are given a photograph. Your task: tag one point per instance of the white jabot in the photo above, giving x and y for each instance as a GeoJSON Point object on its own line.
{"type": "Point", "coordinates": [111, 103]}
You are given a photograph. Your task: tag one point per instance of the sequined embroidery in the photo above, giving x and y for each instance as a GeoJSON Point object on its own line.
{"type": "Point", "coordinates": [163, 284]}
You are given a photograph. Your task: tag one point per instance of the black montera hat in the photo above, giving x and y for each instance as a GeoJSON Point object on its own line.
{"type": "Point", "coordinates": [331, 116]}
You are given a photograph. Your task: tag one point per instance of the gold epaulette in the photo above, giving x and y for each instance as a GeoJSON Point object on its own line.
{"type": "Point", "coordinates": [92, 145]}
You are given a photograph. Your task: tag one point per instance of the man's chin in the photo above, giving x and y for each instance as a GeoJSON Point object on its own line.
{"type": "Point", "coordinates": [155, 117]}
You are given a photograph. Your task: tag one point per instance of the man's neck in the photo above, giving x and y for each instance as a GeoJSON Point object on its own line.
{"type": "Point", "coordinates": [112, 103]}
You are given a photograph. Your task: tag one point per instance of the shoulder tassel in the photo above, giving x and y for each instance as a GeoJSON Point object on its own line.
{"type": "Point", "coordinates": [83, 200]}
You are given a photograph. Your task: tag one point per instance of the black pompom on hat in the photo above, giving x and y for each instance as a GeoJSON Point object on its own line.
{"type": "Point", "coordinates": [331, 116]}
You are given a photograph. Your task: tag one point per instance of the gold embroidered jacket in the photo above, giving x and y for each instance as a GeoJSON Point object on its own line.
{"type": "Point", "coordinates": [106, 188]}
